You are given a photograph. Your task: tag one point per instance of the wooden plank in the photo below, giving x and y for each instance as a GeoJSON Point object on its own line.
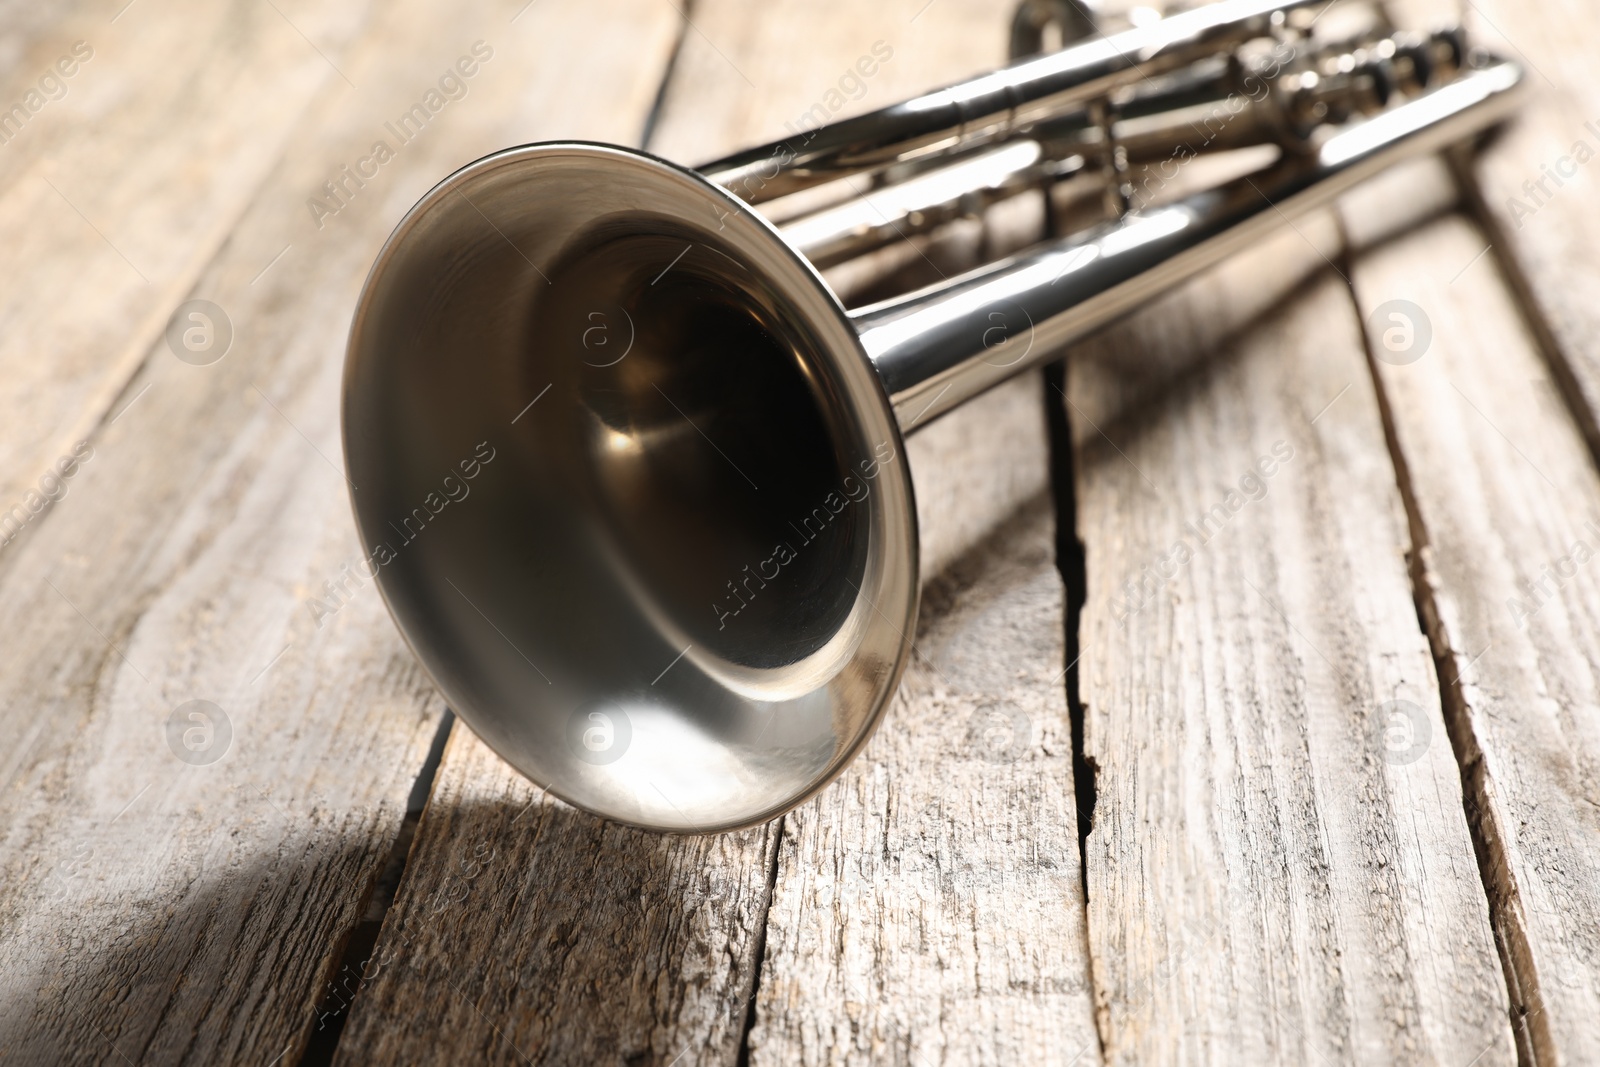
{"type": "Point", "coordinates": [1536, 183]}
{"type": "Point", "coordinates": [33, 37]}
{"type": "Point", "coordinates": [184, 898]}
{"type": "Point", "coordinates": [117, 192]}
{"type": "Point", "coordinates": [655, 952]}
{"type": "Point", "coordinates": [529, 932]}
{"type": "Point", "coordinates": [929, 907]}
{"type": "Point", "coordinates": [1279, 866]}
{"type": "Point", "coordinates": [1506, 503]}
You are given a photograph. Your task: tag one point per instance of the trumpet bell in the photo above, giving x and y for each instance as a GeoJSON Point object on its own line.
{"type": "Point", "coordinates": [630, 486]}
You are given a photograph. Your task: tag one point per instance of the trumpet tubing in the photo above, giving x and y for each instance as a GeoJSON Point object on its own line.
{"type": "Point", "coordinates": [683, 595]}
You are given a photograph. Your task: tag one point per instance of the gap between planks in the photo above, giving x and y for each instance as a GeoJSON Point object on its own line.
{"type": "Point", "coordinates": [1510, 937]}
{"type": "Point", "coordinates": [1495, 493]}
{"type": "Point", "coordinates": [1239, 764]}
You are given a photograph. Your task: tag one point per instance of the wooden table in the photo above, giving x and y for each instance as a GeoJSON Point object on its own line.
{"type": "Point", "coordinates": [1256, 709]}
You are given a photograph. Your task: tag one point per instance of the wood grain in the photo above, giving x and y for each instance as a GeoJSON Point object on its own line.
{"type": "Point", "coordinates": [928, 908]}
{"type": "Point", "coordinates": [1282, 864]}
{"type": "Point", "coordinates": [1507, 502]}
{"type": "Point", "coordinates": [1536, 183]}
{"type": "Point", "coordinates": [32, 38]}
{"type": "Point", "coordinates": [529, 932]}
{"type": "Point", "coordinates": [1279, 867]}
{"type": "Point", "coordinates": [115, 196]}
{"type": "Point", "coordinates": [169, 909]}
{"type": "Point", "coordinates": [650, 952]}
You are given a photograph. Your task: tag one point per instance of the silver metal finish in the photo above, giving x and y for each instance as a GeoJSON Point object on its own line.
{"type": "Point", "coordinates": [680, 592]}
{"type": "Point", "coordinates": [941, 346]}
{"type": "Point", "coordinates": [1008, 102]}
{"type": "Point", "coordinates": [632, 479]}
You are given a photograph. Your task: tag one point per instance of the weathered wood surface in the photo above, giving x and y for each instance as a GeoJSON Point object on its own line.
{"type": "Point", "coordinates": [927, 908]}
{"type": "Point", "coordinates": [529, 932]}
{"type": "Point", "coordinates": [1279, 867]}
{"type": "Point", "coordinates": [1282, 865]}
{"type": "Point", "coordinates": [116, 194]}
{"type": "Point", "coordinates": [171, 902]}
{"type": "Point", "coordinates": [1537, 184]}
{"type": "Point", "coordinates": [1507, 502]}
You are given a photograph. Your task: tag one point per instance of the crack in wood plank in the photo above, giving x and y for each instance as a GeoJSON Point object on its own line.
{"type": "Point", "coordinates": [1268, 879]}
{"type": "Point", "coordinates": [1518, 686]}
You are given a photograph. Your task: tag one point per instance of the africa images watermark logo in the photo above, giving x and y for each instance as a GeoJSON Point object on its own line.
{"type": "Point", "coordinates": [52, 487]}
{"type": "Point", "coordinates": [852, 85]}
{"type": "Point", "coordinates": [599, 732]}
{"type": "Point", "coordinates": [1139, 590]}
{"type": "Point", "coordinates": [1401, 332]}
{"type": "Point", "coordinates": [1535, 593]}
{"type": "Point", "coordinates": [453, 488]}
{"type": "Point", "coordinates": [199, 733]}
{"type": "Point", "coordinates": [999, 733]}
{"type": "Point", "coordinates": [852, 490]}
{"type": "Point", "coordinates": [348, 181]}
{"type": "Point", "coordinates": [199, 333]}
{"type": "Point", "coordinates": [1538, 191]}
{"type": "Point", "coordinates": [50, 86]}
{"type": "Point", "coordinates": [1407, 728]}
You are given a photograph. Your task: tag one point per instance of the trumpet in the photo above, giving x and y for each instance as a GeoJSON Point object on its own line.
{"type": "Point", "coordinates": [633, 476]}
